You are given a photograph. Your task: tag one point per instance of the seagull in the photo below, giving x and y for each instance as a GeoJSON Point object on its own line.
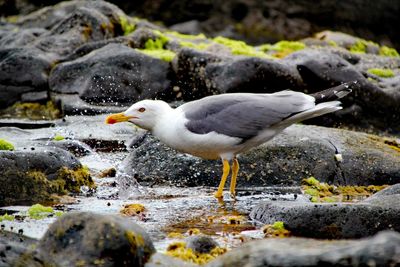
{"type": "Point", "coordinates": [224, 126]}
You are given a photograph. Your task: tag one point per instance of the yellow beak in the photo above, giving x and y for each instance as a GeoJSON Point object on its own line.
{"type": "Point", "coordinates": [117, 117]}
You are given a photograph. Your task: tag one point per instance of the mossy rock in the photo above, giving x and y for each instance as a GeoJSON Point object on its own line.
{"type": "Point", "coordinates": [28, 177]}
{"type": "Point", "coordinates": [90, 239]}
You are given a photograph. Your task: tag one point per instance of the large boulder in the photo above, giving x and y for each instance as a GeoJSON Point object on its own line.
{"type": "Point", "coordinates": [297, 153]}
{"type": "Point", "coordinates": [89, 239]}
{"type": "Point", "coordinates": [334, 220]}
{"type": "Point", "coordinates": [33, 175]}
{"type": "Point", "coordinates": [379, 250]}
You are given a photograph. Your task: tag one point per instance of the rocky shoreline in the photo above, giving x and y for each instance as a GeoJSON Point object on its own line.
{"type": "Point", "coordinates": [64, 66]}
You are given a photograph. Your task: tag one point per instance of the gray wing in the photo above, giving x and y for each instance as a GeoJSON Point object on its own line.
{"type": "Point", "coordinates": [243, 115]}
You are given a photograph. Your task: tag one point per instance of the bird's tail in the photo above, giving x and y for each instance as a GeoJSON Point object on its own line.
{"type": "Point", "coordinates": [334, 93]}
{"type": "Point", "coordinates": [325, 102]}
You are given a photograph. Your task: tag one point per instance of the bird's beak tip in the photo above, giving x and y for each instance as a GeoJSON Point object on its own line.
{"type": "Point", "coordinates": [114, 118]}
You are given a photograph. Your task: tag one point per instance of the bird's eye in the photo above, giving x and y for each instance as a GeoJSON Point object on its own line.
{"type": "Point", "coordinates": [141, 109]}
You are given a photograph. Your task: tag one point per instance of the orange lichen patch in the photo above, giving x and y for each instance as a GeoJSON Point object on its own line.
{"type": "Point", "coordinates": [133, 210]}
{"type": "Point", "coordinates": [179, 250]}
{"type": "Point", "coordinates": [276, 229]}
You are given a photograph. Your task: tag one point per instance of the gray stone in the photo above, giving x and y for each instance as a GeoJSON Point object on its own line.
{"type": "Point", "coordinates": [161, 260]}
{"type": "Point", "coordinates": [382, 250]}
{"type": "Point", "coordinates": [90, 238]}
{"type": "Point", "coordinates": [329, 220]}
{"type": "Point", "coordinates": [201, 243]}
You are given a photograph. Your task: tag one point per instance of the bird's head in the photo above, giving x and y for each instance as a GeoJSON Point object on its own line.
{"type": "Point", "coordinates": [144, 114]}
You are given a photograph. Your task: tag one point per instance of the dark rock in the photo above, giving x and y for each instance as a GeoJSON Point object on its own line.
{"type": "Point", "coordinates": [163, 260]}
{"type": "Point", "coordinates": [35, 97]}
{"type": "Point", "coordinates": [30, 176]}
{"type": "Point", "coordinates": [299, 152]}
{"type": "Point", "coordinates": [22, 70]}
{"type": "Point", "coordinates": [338, 220]}
{"type": "Point", "coordinates": [77, 148]}
{"type": "Point", "coordinates": [389, 196]}
{"type": "Point", "coordinates": [329, 220]}
{"type": "Point", "coordinates": [90, 239]}
{"type": "Point", "coordinates": [113, 73]}
{"type": "Point", "coordinates": [10, 251]}
{"type": "Point", "coordinates": [201, 243]}
{"type": "Point", "coordinates": [379, 250]}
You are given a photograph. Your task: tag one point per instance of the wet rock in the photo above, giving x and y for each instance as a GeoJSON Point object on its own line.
{"type": "Point", "coordinates": [113, 73]}
{"type": "Point", "coordinates": [379, 250]}
{"type": "Point", "coordinates": [77, 148]}
{"type": "Point", "coordinates": [335, 220]}
{"type": "Point", "coordinates": [10, 251]}
{"type": "Point", "coordinates": [299, 152]}
{"type": "Point", "coordinates": [389, 196]}
{"type": "Point", "coordinates": [320, 69]}
{"type": "Point", "coordinates": [90, 239]}
{"type": "Point", "coordinates": [201, 243]}
{"type": "Point", "coordinates": [202, 73]}
{"type": "Point", "coordinates": [30, 176]}
{"type": "Point", "coordinates": [162, 260]}
{"type": "Point", "coordinates": [27, 56]}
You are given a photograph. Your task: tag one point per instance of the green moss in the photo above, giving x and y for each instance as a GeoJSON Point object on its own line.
{"type": "Point", "coordinates": [163, 54]}
{"type": "Point", "coordinates": [58, 137]}
{"type": "Point", "coordinates": [239, 47]}
{"type": "Point", "coordinates": [5, 145]}
{"type": "Point", "coordinates": [38, 211]}
{"type": "Point", "coordinates": [283, 48]}
{"type": "Point", "coordinates": [186, 36]}
{"type": "Point", "coordinates": [388, 52]}
{"type": "Point", "coordinates": [359, 47]}
{"type": "Point", "coordinates": [7, 217]}
{"type": "Point", "coordinates": [384, 73]}
{"type": "Point", "coordinates": [156, 47]}
{"type": "Point", "coordinates": [127, 25]}
{"type": "Point", "coordinates": [33, 111]}
{"type": "Point", "coordinates": [198, 46]}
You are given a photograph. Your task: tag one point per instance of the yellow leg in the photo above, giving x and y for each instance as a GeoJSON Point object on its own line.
{"type": "Point", "coordinates": [235, 170]}
{"type": "Point", "coordinates": [225, 173]}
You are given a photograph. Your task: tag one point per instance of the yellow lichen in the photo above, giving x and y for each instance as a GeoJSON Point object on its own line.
{"type": "Point", "coordinates": [323, 192]}
{"type": "Point", "coordinates": [132, 209]}
{"type": "Point", "coordinates": [74, 179]}
{"type": "Point", "coordinates": [134, 240]}
{"type": "Point", "coordinates": [5, 145]}
{"type": "Point", "coordinates": [175, 235]}
{"type": "Point", "coordinates": [277, 229]}
{"type": "Point", "coordinates": [179, 250]}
